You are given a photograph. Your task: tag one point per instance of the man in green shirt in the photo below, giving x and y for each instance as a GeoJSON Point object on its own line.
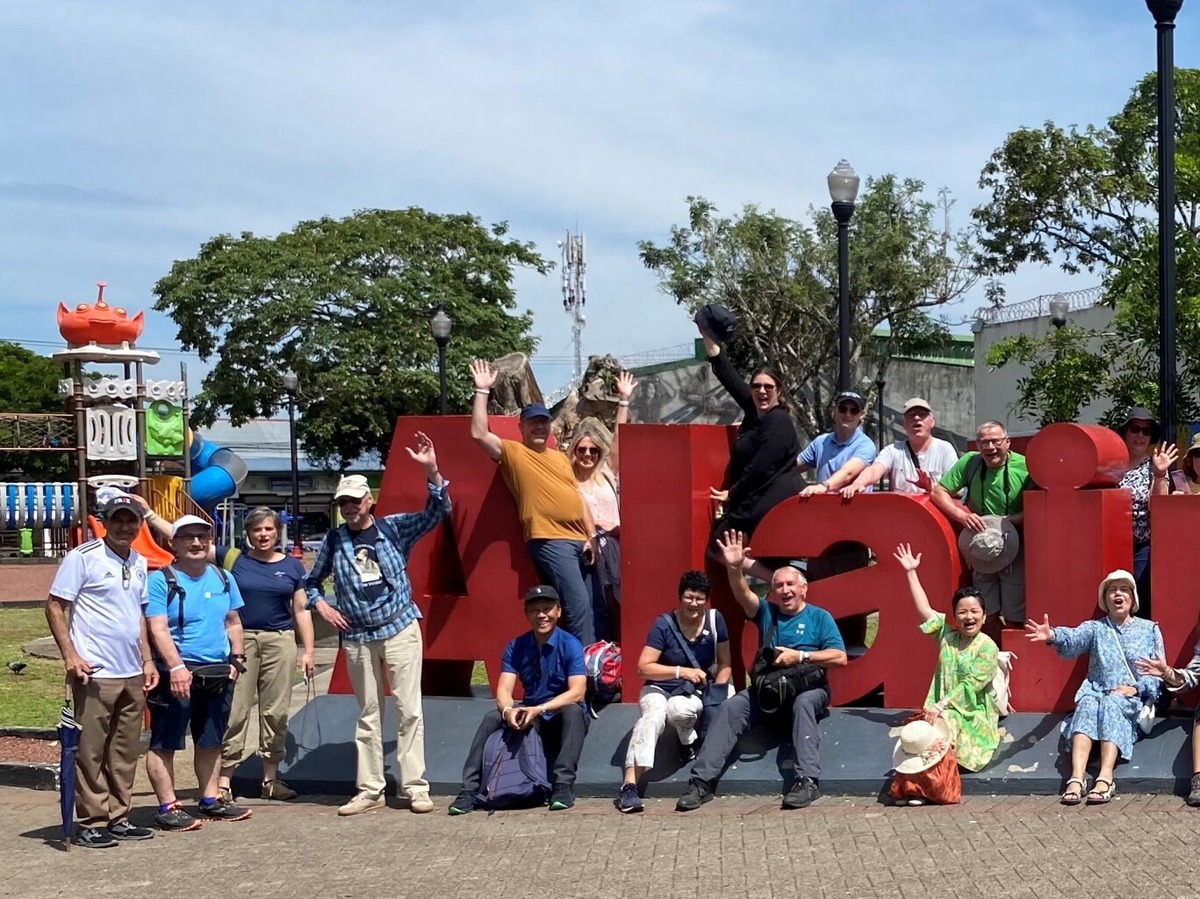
{"type": "Point", "coordinates": [995, 479]}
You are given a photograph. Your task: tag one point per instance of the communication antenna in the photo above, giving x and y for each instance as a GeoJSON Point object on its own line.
{"type": "Point", "coordinates": [574, 288]}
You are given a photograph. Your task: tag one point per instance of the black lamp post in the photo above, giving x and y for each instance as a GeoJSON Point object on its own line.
{"type": "Point", "coordinates": [291, 384]}
{"type": "Point", "coordinates": [440, 325]}
{"type": "Point", "coordinates": [843, 190]}
{"type": "Point", "coordinates": [879, 385]}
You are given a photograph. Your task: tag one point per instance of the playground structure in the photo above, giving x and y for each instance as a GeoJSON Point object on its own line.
{"type": "Point", "coordinates": [112, 423]}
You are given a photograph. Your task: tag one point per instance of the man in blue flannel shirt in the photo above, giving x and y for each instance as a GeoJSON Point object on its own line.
{"type": "Point", "coordinates": [374, 610]}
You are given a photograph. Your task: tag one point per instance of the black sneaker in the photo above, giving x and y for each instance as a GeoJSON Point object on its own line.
{"type": "Point", "coordinates": [176, 820]}
{"type": "Point", "coordinates": [223, 811]}
{"type": "Point", "coordinates": [1193, 798]}
{"type": "Point", "coordinates": [562, 798]}
{"type": "Point", "coordinates": [628, 801]}
{"type": "Point", "coordinates": [698, 793]}
{"type": "Point", "coordinates": [95, 838]}
{"type": "Point", "coordinates": [803, 793]}
{"type": "Point", "coordinates": [123, 830]}
{"type": "Point", "coordinates": [687, 753]}
{"type": "Point", "coordinates": [463, 804]}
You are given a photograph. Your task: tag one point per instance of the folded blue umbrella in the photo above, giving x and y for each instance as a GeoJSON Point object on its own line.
{"type": "Point", "coordinates": [68, 740]}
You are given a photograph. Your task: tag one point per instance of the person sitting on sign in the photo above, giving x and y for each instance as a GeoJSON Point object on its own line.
{"type": "Point", "coordinates": [913, 464]}
{"type": "Point", "coordinates": [548, 662]}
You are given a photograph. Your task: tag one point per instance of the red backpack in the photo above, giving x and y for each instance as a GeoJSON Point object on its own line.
{"type": "Point", "coordinates": [603, 664]}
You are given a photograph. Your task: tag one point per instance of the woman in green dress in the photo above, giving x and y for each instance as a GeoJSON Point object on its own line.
{"type": "Point", "coordinates": [961, 692]}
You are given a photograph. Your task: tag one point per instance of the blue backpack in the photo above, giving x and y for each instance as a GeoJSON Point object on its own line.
{"type": "Point", "coordinates": [514, 770]}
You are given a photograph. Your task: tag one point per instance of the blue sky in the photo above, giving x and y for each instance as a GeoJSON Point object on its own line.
{"type": "Point", "coordinates": [137, 130]}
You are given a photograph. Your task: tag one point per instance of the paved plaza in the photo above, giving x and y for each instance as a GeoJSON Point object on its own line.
{"type": "Point", "coordinates": [1010, 846]}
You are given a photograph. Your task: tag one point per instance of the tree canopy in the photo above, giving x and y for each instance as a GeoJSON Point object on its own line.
{"type": "Point", "coordinates": [29, 383]}
{"type": "Point", "coordinates": [1086, 200]}
{"type": "Point", "coordinates": [346, 304]}
{"type": "Point", "coordinates": [779, 276]}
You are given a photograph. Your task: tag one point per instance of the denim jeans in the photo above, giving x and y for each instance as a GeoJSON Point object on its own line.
{"type": "Point", "coordinates": [561, 563]}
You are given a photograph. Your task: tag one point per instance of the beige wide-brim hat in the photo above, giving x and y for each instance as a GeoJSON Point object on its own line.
{"type": "Point", "coordinates": [992, 549]}
{"type": "Point", "coordinates": [921, 746]}
{"type": "Point", "coordinates": [1119, 574]}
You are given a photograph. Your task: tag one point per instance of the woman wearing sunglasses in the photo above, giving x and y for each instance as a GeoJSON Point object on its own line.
{"type": "Point", "coordinates": [593, 452]}
{"type": "Point", "coordinates": [1148, 475]}
{"type": "Point", "coordinates": [961, 693]}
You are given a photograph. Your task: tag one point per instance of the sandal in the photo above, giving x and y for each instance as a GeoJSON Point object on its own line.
{"type": "Point", "coordinates": [1072, 796]}
{"type": "Point", "coordinates": [1097, 796]}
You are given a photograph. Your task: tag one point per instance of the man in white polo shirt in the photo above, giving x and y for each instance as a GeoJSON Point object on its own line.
{"type": "Point", "coordinates": [914, 464]}
{"type": "Point", "coordinates": [106, 652]}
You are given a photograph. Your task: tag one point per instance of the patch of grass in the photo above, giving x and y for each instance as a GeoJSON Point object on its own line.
{"type": "Point", "coordinates": [33, 698]}
{"type": "Point", "coordinates": [479, 675]}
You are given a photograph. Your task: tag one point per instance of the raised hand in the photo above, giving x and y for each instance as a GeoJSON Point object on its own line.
{"type": "Point", "coordinates": [1039, 633]}
{"type": "Point", "coordinates": [1163, 459]}
{"type": "Point", "coordinates": [422, 451]}
{"type": "Point", "coordinates": [483, 374]}
{"type": "Point", "coordinates": [625, 383]}
{"type": "Point", "coordinates": [733, 548]}
{"type": "Point", "coordinates": [904, 555]}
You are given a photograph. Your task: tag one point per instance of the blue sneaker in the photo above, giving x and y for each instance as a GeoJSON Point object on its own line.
{"type": "Point", "coordinates": [628, 802]}
{"type": "Point", "coordinates": [562, 798]}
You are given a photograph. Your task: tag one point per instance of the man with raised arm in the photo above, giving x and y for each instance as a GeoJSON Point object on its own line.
{"type": "Point", "coordinates": [913, 465]}
{"type": "Point", "coordinates": [802, 634]}
{"type": "Point", "coordinates": [557, 525]}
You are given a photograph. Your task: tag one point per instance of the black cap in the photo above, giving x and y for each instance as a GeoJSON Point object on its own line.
{"type": "Point", "coordinates": [541, 591]}
{"type": "Point", "coordinates": [123, 501]}
{"type": "Point", "coordinates": [717, 321]}
{"type": "Point", "coordinates": [852, 396]}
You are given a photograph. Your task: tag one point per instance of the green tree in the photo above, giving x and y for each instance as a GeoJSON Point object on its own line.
{"type": "Point", "coordinates": [779, 276]}
{"type": "Point", "coordinates": [29, 384]}
{"type": "Point", "coordinates": [1063, 374]}
{"type": "Point", "coordinates": [1086, 200]}
{"type": "Point", "coordinates": [346, 304]}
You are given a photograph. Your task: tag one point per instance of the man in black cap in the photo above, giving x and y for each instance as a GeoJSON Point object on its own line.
{"type": "Point", "coordinates": [549, 663]}
{"type": "Point", "coordinates": [559, 532]}
{"type": "Point", "coordinates": [839, 456]}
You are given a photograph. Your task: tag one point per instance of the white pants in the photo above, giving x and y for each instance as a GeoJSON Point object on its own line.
{"type": "Point", "coordinates": [657, 709]}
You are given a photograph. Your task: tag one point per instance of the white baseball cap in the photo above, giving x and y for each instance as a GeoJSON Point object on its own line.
{"type": "Point", "coordinates": [185, 521]}
{"type": "Point", "coordinates": [354, 486]}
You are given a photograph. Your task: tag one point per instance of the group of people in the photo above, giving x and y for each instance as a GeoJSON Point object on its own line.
{"type": "Point", "coordinates": [202, 641]}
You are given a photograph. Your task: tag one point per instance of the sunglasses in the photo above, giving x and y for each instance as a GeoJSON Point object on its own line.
{"type": "Point", "coordinates": [585, 451]}
{"type": "Point", "coordinates": [849, 409]}
{"type": "Point", "coordinates": [126, 575]}
{"type": "Point", "coordinates": [1141, 429]}
{"type": "Point", "coordinates": [764, 386]}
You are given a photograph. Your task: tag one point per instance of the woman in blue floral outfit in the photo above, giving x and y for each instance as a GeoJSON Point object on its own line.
{"type": "Point", "coordinates": [1110, 699]}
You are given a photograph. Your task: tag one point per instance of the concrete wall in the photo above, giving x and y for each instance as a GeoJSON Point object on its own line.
{"type": "Point", "coordinates": [996, 388]}
{"type": "Point", "coordinates": [690, 394]}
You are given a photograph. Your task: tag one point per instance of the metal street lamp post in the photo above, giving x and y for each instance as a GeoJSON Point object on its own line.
{"type": "Point", "coordinates": [843, 190]}
{"type": "Point", "coordinates": [440, 325]}
{"type": "Point", "coordinates": [292, 384]}
{"type": "Point", "coordinates": [1164, 12]}
{"type": "Point", "coordinates": [879, 385]}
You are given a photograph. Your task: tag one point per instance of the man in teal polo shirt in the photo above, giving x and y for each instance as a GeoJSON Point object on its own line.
{"type": "Point", "coordinates": [840, 455]}
{"type": "Point", "coordinates": [995, 479]}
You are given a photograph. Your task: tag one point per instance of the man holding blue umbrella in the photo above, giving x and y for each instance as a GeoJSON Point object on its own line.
{"type": "Point", "coordinates": [106, 653]}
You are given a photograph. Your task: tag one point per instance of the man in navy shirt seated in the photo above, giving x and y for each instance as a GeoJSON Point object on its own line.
{"type": "Point", "coordinates": [803, 634]}
{"type": "Point", "coordinates": [549, 663]}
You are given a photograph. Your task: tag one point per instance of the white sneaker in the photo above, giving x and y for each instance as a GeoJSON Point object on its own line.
{"type": "Point", "coordinates": [363, 802]}
{"type": "Point", "coordinates": [420, 804]}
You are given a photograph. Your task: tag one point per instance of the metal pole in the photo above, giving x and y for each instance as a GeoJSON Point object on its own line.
{"type": "Point", "coordinates": [842, 212]}
{"type": "Point", "coordinates": [441, 377]}
{"type": "Point", "coordinates": [1164, 12]}
{"type": "Point", "coordinates": [297, 542]}
{"type": "Point", "coordinates": [879, 385]}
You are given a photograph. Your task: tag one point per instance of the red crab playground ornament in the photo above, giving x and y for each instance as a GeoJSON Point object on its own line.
{"type": "Point", "coordinates": [99, 325]}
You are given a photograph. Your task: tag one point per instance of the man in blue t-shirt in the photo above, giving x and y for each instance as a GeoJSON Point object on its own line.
{"type": "Point", "coordinates": [801, 634]}
{"type": "Point", "coordinates": [197, 634]}
{"type": "Point", "coordinates": [839, 456]}
{"type": "Point", "coordinates": [548, 662]}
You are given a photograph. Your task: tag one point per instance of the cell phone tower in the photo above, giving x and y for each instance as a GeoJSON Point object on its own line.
{"type": "Point", "coordinates": [574, 288]}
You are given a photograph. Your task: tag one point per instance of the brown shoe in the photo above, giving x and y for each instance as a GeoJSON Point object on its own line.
{"type": "Point", "coordinates": [277, 790]}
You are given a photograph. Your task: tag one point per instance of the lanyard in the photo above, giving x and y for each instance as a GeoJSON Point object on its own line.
{"type": "Point", "coordinates": [982, 489]}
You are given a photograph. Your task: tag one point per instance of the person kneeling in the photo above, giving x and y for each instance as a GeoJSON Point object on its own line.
{"type": "Point", "coordinates": [549, 663]}
{"type": "Point", "coordinates": [803, 638]}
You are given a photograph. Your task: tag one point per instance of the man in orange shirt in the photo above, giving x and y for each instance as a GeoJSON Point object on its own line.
{"type": "Point", "coordinates": [557, 525]}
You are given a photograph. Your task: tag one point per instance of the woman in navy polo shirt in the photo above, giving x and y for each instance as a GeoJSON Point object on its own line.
{"type": "Point", "coordinates": [272, 586]}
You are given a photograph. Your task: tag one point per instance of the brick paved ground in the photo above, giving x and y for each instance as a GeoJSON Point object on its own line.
{"type": "Point", "coordinates": [1012, 847]}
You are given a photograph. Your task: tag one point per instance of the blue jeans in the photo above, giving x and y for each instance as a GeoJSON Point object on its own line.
{"type": "Point", "coordinates": [561, 563]}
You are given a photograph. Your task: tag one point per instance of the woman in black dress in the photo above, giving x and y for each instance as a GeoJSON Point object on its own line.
{"type": "Point", "coordinates": [762, 464]}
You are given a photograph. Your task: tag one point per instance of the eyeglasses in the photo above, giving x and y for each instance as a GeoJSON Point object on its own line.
{"type": "Point", "coordinates": [192, 538]}
{"type": "Point", "coordinates": [125, 574]}
{"type": "Point", "coordinates": [991, 441]}
{"type": "Point", "coordinates": [1140, 429]}
{"type": "Point", "coordinates": [588, 451]}
{"type": "Point", "coordinates": [849, 408]}
{"type": "Point", "coordinates": [764, 386]}
{"type": "Point", "coordinates": [693, 600]}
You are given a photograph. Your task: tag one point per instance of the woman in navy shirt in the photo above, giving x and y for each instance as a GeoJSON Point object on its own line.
{"type": "Point", "coordinates": [272, 586]}
{"type": "Point", "coordinates": [675, 685]}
